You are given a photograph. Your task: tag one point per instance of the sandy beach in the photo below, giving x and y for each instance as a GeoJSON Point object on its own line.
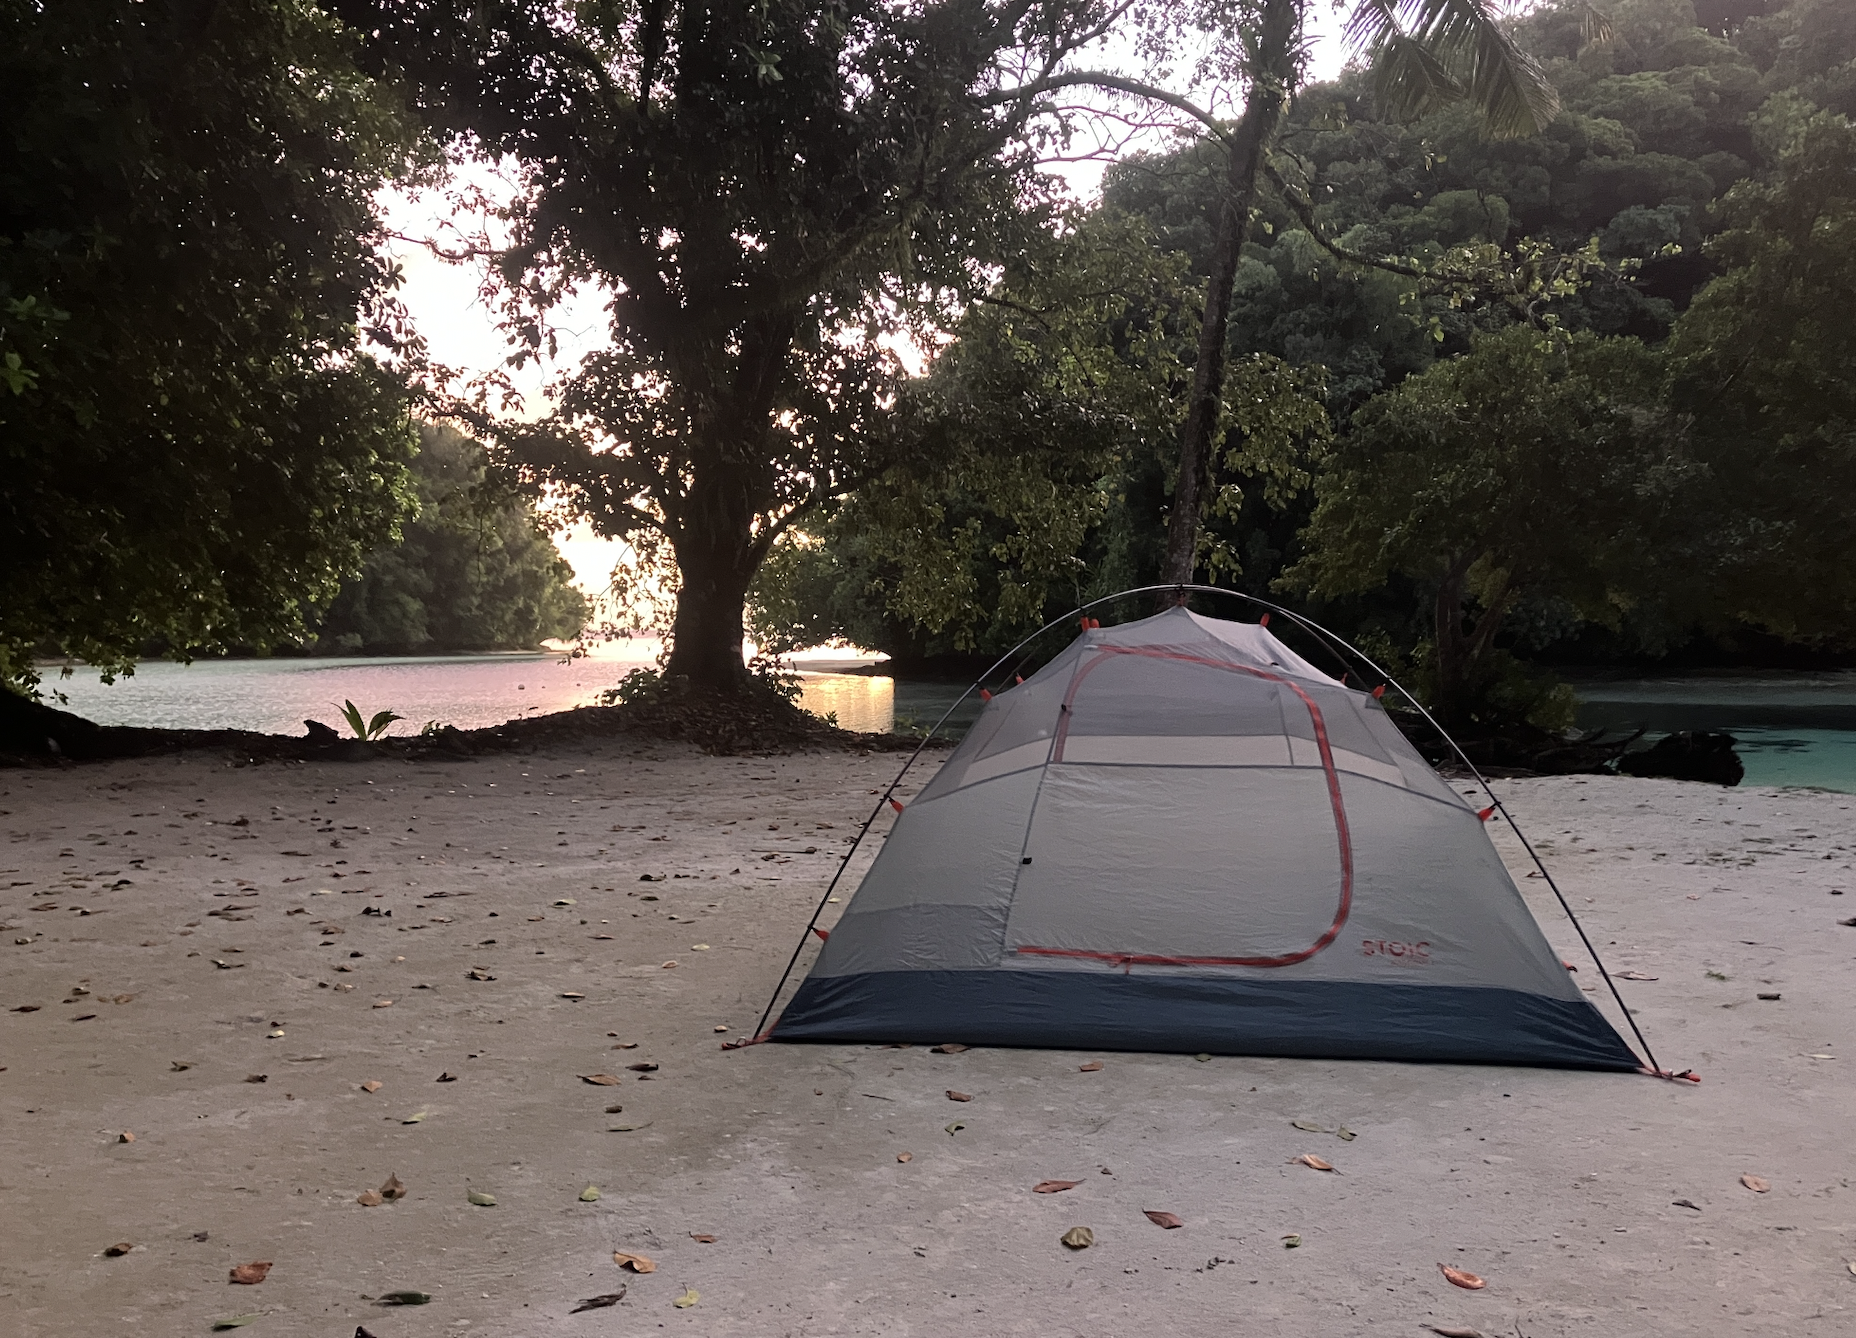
{"type": "Point", "coordinates": [223, 960]}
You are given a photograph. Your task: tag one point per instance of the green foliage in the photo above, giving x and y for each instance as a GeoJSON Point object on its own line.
{"type": "Point", "coordinates": [196, 442]}
{"type": "Point", "coordinates": [1536, 465]}
{"type": "Point", "coordinates": [765, 187]}
{"type": "Point", "coordinates": [473, 568]}
{"type": "Point", "coordinates": [1764, 365]}
{"type": "Point", "coordinates": [365, 728]}
{"type": "Point", "coordinates": [1014, 452]}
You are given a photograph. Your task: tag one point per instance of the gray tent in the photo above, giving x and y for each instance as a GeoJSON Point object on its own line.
{"type": "Point", "coordinates": [1179, 835]}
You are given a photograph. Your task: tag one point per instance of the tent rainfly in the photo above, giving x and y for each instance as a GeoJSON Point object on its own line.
{"type": "Point", "coordinates": [1181, 836]}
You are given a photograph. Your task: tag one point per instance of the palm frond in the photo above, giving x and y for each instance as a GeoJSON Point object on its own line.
{"type": "Point", "coordinates": [1409, 82]}
{"type": "Point", "coordinates": [1464, 38]}
{"type": "Point", "coordinates": [1594, 26]}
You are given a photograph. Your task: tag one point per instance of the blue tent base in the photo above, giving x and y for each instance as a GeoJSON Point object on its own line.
{"type": "Point", "coordinates": [1190, 1014]}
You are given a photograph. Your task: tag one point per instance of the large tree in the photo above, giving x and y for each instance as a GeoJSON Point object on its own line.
{"type": "Point", "coordinates": [765, 189]}
{"type": "Point", "coordinates": [195, 442]}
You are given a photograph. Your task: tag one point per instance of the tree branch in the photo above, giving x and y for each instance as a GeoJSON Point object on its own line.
{"type": "Point", "coordinates": [1115, 83]}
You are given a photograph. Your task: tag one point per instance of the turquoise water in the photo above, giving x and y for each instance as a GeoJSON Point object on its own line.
{"type": "Point", "coordinates": [1793, 728]}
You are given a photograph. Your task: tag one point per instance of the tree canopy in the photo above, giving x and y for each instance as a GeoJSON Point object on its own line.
{"type": "Point", "coordinates": [197, 437]}
{"type": "Point", "coordinates": [473, 569]}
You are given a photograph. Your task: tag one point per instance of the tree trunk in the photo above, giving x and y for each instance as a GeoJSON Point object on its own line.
{"type": "Point", "coordinates": [706, 635]}
{"type": "Point", "coordinates": [1452, 647]}
{"type": "Point", "coordinates": [1269, 90]}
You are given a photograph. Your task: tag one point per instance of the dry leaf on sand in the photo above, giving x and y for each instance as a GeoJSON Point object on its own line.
{"type": "Point", "coordinates": [125, 1137]}
{"type": "Point", "coordinates": [643, 1067]}
{"type": "Point", "coordinates": [370, 1198]}
{"type": "Point", "coordinates": [1169, 1221]}
{"type": "Point", "coordinates": [1308, 1126]}
{"type": "Point", "coordinates": [600, 1079]}
{"type": "Point", "coordinates": [689, 1298]}
{"type": "Point", "coordinates": [702, 1238]}
{"type": "Point", "coordinates": [119, 1249]}
{"type": "Point", "coordinates": [636, 1262]}
{"type": "Point", "coordinates": [478, 1199]}
{"type": "Point", "coordinates": [948, 1048]}
{"type": "Point", "coordinates": [1458, 1277]}
{"type": "Point", "coordinates": [370, 1086]}
{"type": "Point", "coordinates": [393, 1189]}
{"type": "Point", "coordinates": [1313, 1162]}
{"type": "Point", "coordinates": [1291, 1241]}
{"type": "Point", "coordinates": [250, 1275]}
{"type": "Point", "coordinates": [952, 1095]}
{"type": "Point", "coordinates": [383, 1003]}
{"type": "Point", "coordinates": [1054, 1186]}
{"type": "Point", "coordinates": [1078, 1238]}
{"type": "Point", "coordinates": [905, 1156]}
{"type": "Point", "coordinates": [590, 1194]}
{"type": "Point", "coordinates": [599, 1302]}
{"type": "Point", "coordinates": [1455, 1331]}
{"type": "Point", "coordinates": [1755, 1183]}
{"type": "Point", "coordinates": [1093, 1066]}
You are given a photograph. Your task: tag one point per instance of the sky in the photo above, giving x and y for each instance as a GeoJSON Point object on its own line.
{"type": "Point", "coordinates": [461, 329]}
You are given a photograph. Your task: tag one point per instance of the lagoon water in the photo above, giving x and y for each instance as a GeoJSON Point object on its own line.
{"type": "Point", "coordinates": [1793, 728]}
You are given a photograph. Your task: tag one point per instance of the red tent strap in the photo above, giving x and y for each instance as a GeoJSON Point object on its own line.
{"type": "Point", "coordinates": [985, 696]}
{"type": "Point", "coordinates": [823, 934]}
{"type": "Point", "coordinates": [1487, 813]}
{"type": "Point", "coordinates": [895, 804]}
{"type": "Point", "coordinates": [1264, 621]}
{"type": "Point", "coordinates": [1379, 692]}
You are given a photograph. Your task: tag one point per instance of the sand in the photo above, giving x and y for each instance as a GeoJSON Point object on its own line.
{"type": "Point", "coordinates": [188, 898]}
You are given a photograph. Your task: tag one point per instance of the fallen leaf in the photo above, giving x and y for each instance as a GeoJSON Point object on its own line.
{"type": "Point", "coordinates": [383, 1003]}
{"type": "Point", "coordinates": [702, 1238]}
{"type": "Point", "coordinates": [235, 1322]}
{"type": "Point", "coordinates": [1291, 1242]}
{"type": "Point", "coordinates": [671, 966]}
{"type": "Point", "coordinates": [689, 1298]}
{"type": "Point", "coordinates": [624, 1045]}
{"type": "Point", "coordinates": [905, 1156]}
{"type": "Point", "coordinates": [370, 1086]}
{"type": "Point", "coordinates": [637, 1263]}
{"type": "Point", "coordinates": [1455, 1331]}
{"type": "Point", "coordinates": [370, 1198]}
{"type": "Point", "coordinates": [1458, 1277]}
{"type": "Point", "coordinates": [257, 1077]}
{"type": "Point", "coordinates": [1308, 1126]}
{"type": "Point", "coordinates": [1054, 1186]}
{"type": "Point", "coordinates": [570, 994]}
{"type": "Point", "coordinates": [405, 1298]}
{"type": "Point", "coordinates": [947, 1048]}
{"type": "Point", "coordinates": [177, 1066]}
{"type": "Point", "coordinates": [699, 947]}
{"type": "Point", "coordinates": [589, 1195]}
{"type": "Point", "coordinates": [27, 1008]}
{"type": "Point", "coordinates": [1313, 1162]}
{"type": "Point", "coordinates": [952, 1095]}
{"type": "Point", "coordinates": [1754, 1183]}
{"type": "Point", "coordinates": [1203, 1059]}
{"type": "Point", "coordinates": [1345, 1134]}
{"type": "Point", "coordinates": [1684, 1203]}
{"type": "Point", "coordinates": [122, 998]}
{"type": "Point", "coordinates": [1093, 1066]}
{"type": "Point", "coordinates": [1632, 975]}
{"type": "Point", "coordinates": [119, 1249]}
{"type": "Point", "coordinates": [84, 1017]}
{"type": "Point", "coordinates": [393, 1189]}
{"type": "Point", "coordinates": [645, 1067]}
{"type": "Point", "coordinates": [629, 1128]}
{"type": "Point", "coordinates": [1169, 1221]}
{"type": "Point", "coordinates": [599, 1302]}
{"type": "Point", "coordinates": [1078, 1238]}
{"type": "Point", "coordinates": [600, 1079]}
{"type": "Point", "coordinates": [477, 1198]}
{"type": "Point", "coordinates": [360, 1331]}
{"type": "Point", "coordinates": [956, 1126]}
{"type": "Point", "coordinates": [614, 1110]}
{"type": "Point", "coordinates": [446, 1076]}
{"type": "Point", "coordinates": [125, 1137]}
{"type": "Point", "coordinates": [414, 1119]}
{"type": "Point", "coordinates": [250, 1275]}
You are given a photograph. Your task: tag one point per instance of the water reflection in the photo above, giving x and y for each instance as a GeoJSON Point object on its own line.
{"type": "Point", "coordinates": [865, 703]}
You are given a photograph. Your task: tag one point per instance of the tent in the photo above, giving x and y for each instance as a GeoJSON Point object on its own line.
{"type": "Point", "coordinates": [1179, 835]}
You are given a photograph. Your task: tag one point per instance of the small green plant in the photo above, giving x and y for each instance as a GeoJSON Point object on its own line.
{"type": "Point", "coordinates": [431, 729]}
{"type": "Point", "coordinates": [640, 685]}
{"type": "Point", "coordinates": [364, 728]}
{"type": "Point", "coordinates": [1716, 975]}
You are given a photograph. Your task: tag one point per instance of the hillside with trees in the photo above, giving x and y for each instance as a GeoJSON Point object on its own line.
{"type": "Point", "coordinates": [1650, 284]}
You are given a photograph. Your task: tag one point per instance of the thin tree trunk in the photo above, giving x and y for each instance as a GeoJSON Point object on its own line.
{"type": "Point", "coordinates": [1447, 627]}
{"type": "Point", "coordinates": [1269, 90]}
{"type": "Point", "coordinates": [706, 636]}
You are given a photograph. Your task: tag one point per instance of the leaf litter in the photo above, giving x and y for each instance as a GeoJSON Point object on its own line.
{"type": "Point", "coordinates": [1165, 1220]}
{"type": "Point", "coordinates": [1054, 1186]}
{"type": "Point", "coordinates": [1459, 1277]}
{"type": "Point", "coordinates": [1755, 1183]}
{"type": "Point", "coordinates": [1078, 1238]}
{"type": "Point", "coordinates": [599, 1302]}
{"type": "Point", "coordinates": [250, 1275]}
{"type": "Point", "coordinates": [637, 1263]}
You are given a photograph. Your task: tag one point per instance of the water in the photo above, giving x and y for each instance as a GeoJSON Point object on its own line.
{"type": "Point", "coordinates": [1794, 728]}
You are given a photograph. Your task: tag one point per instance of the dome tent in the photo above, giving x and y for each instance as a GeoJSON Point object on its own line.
{"type": "Point", "coordinates": [1181, 836]}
